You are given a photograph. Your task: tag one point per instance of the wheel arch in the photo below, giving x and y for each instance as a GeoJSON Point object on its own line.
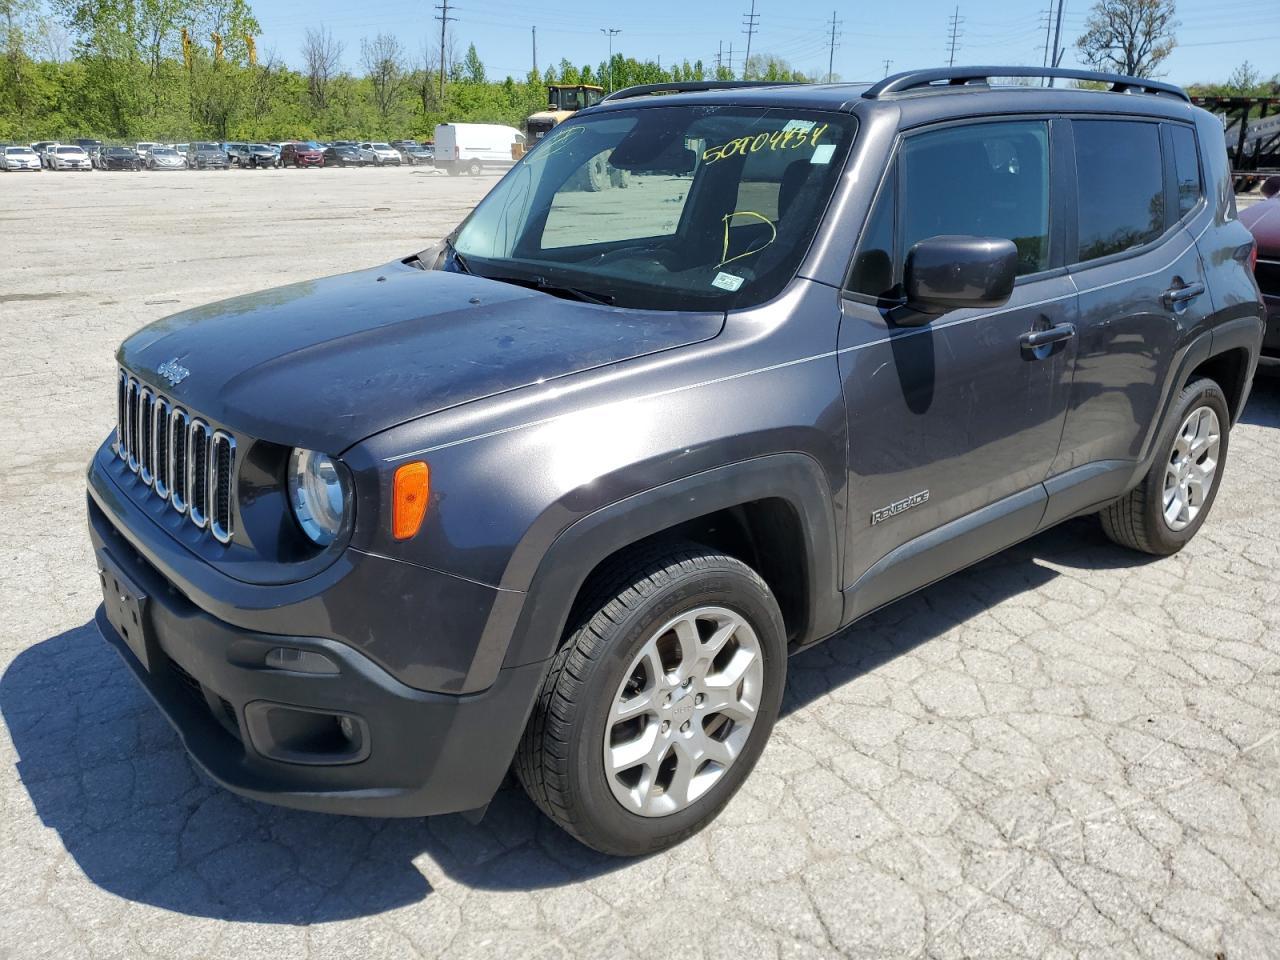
{"type": "Point", "coordinates": [759, 511]}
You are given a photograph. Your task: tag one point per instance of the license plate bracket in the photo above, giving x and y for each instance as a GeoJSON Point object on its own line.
{"type": "Point", "coordinates": [126, 607]}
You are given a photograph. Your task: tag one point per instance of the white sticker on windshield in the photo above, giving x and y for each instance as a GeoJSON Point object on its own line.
{"type": "Point", "coordinates": [800, 126]}
{"type": "Point", "coordinates": [822, 153]}
{"type": "Point", "coordinates": [727, 281]}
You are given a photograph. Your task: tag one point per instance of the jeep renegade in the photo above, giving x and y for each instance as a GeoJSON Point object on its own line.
{"type": "Point", "coordinates": [563, 492]}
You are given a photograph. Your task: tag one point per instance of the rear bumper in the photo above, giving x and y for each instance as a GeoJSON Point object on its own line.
{"type": "Point", "coordinates": [415, 753]}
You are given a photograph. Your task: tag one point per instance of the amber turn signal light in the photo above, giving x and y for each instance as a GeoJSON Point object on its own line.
{"type": "Point", "coordinates": [409, 499]}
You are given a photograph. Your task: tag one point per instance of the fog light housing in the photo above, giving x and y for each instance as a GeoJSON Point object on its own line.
{"type": "Point", "coordinates": [302, 735]}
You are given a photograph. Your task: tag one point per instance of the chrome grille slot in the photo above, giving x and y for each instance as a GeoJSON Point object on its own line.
{"type": "Point", "coordinates": [122, 415]}
{"type": "Point", "coordinates": [222, 458]}
{"type": "Point", "coordinates": [198, 473]}
{"type": "Point", "coordinates": [131, 428]}
{"type": "Point", "coordinates": [146, 421]}
{"type": "Point", "coordinates": [162, 412]}
{"type": "Point", "coordinates": [179, 430]}
{"type": "Point", "coordinates": [180, 457]}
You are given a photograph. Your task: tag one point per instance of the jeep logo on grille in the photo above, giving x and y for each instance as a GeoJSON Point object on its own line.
{"type": "Point", "coordinates": [173, 371]}
{"type": "Point", "coordinates": [899, 506]}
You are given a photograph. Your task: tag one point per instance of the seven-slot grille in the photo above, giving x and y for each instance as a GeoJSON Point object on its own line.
{"type": "Point", "coordinates": [179, 456]}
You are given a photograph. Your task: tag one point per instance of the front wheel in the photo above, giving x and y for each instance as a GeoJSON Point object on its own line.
{"type": "Point", "coordinates": [1163, 513]}
{"type": "Point", "coordinates": [660, 701]}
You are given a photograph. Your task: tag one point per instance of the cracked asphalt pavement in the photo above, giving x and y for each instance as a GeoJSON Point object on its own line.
{"type": "Point", "coordinates": [1069, 750]}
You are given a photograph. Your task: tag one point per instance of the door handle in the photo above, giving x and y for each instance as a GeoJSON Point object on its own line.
{"type": "Point", "coordinates": [1044, 338]}
{"type": "Point", "coordinates": [1184, 293]}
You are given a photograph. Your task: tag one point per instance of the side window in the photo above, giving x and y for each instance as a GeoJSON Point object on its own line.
{"type": "Point", "coordinates": [1186, 165]}
{"type": "Point", "coordinates": [985, 180]}
{"type": "Point", "coordinates": [872, 270]}
{"type": "Point", "coordinates": [1121, 185]}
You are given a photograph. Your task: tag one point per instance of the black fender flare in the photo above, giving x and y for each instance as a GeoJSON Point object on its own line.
{"type": "Point", "coordinates": [794, 478]}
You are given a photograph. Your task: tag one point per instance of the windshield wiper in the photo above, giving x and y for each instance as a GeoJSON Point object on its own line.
{"type": "Point", "coordinates": [554, 289]}
{"type": "Point", "coordinates": [458, 258]}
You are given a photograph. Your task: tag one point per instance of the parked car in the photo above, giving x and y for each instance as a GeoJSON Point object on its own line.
{"type": "Point", "coordinates": [380, 154]}
{"type": "Point", "coordinates": [343, 155]}
{"type": "Point", "coordinates": [417, 154]}
{"type": "Point", "coordinates": [144, 148]}
{"type": "Point", "coordinates": [19, 158]}
{"type": "Point", "coordinates": [119, 158]}
{"type": "Point", "coordinates": [66, 156]}
{"type": "Point", "coordinates": [40, 146]}
{"type": "Point", "coordinates": [165, 158]}
{"type": "Point", "coordinates": [304, 153]}
{"type": "Point", "coordinates": [1263, 221]}
{"type": "Point", "coordinates": [472, 148]}
{"type": "Point", "coordinates": [562, 493]}
{"type": "Point", "coordinates": [262, 155]}
{"type": "Point", "coordinates": [206, 156]}
{"type": "Point", "coordinates": [90, 147]}
{"type": "Point", "coordinates": [237, 154]}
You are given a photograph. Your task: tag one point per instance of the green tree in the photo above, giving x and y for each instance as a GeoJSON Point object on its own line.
{"type": "Point", "coordinates": [1132, 37]}
{"type": "Point", "coordinates": [472, 66]}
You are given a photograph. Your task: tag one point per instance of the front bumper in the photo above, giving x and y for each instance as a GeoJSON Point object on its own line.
{"type": "Point", "coordinates": [415, 754]}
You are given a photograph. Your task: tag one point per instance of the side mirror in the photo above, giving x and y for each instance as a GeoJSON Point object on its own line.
{"type": "Point", "coordinates": [953, 273]}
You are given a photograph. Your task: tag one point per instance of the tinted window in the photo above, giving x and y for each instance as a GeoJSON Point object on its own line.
{"type": "Point", "coordinates": [985, 180]}
{"type": "Point", "coordinates": [1186, 164]}
{"type": "Point", "coordinates": [1121, 185]}
{"type": "Point", "coordinates": [872, 271]}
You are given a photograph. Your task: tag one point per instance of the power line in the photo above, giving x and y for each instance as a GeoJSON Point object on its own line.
{"type": "Point", "coordinates": [955, 35]}
{"type": "Point", "coordinates": [831, 56]}
{"type": "Point", "coordinates": [750, 21]}
{"type": "Point", "coordinates": [444, 18]}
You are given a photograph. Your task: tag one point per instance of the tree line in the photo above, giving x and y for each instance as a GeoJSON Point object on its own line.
{"type": "Point", "coordinates": [190, 69]}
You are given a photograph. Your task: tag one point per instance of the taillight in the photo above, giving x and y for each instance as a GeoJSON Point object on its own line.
{"type": "Point", "coordinates": [457, 152]}
{"type": "Point", "coordinates": [1253, 256]}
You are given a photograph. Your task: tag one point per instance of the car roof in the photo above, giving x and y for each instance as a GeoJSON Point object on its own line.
{"type": "Point", "coordinates": [925, 102]}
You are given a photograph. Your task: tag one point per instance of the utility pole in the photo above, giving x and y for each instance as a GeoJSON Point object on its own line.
{"type": "Point", "coordinates": [750, 21]}
{"type": "Point", "coordinates": [535, 51]}
{"type": "Point", "coordinates": [731, 58]}
{"type": "Point", "coordinates": [610, 32]}
{"type": "Point", "coordinates": [955, 35]}
{"type": "Point", "coordinates": [831, 56]}
{"type": "Point", "coordinates": [444, 18]}
{"type": "Point", "coordinates": [719, 58]}
{"type": "Point", "coordinates": [887, 63]}
{"type": "Point", "coordinates": [1057, 38]}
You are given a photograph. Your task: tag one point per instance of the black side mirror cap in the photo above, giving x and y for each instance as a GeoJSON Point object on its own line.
{"type": "Point", "coordinates": [955, 273]}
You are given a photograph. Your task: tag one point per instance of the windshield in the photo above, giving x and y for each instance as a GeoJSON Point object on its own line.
{"type": "Point", "coordinates": [660, 206]}
{"type": "Point", "coordinates": [70, 150]}
{"type": "Point", "coordinates": [19, 151]}
{"type": "Point", "coordinates": [119, 152]}
{"type": "Point", "coordinates": [381, 146]}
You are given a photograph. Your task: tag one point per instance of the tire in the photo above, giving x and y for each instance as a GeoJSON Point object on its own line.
{"type": "Point", "coordinates": [561, 760]}
{"type": "Point", "coordinates": [1138, 520]}
{"type": "Point", "coordinates": [476, 168]}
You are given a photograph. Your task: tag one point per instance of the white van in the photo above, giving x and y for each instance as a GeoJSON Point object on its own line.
{"type": "Point", "coordinates": [475, 147]}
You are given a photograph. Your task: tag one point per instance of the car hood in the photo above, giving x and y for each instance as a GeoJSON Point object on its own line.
{"type": "Point", "coordinates": [325, 363]}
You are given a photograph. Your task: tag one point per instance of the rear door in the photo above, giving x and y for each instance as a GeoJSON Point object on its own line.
{"type": "Point", "coordinates": [1142, 291]}
{"type": "Point", "coordinates": [958, 421]}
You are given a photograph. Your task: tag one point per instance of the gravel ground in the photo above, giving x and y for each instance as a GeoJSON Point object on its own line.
{"type": "Point", "coordinates": [1069, 750]}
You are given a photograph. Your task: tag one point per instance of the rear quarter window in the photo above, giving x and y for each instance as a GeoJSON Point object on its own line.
{"type": "Point", "coordinates": [1120, 185]}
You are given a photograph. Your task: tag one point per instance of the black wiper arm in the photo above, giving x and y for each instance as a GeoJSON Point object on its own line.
{"type": "Point", "coordinates": [554, 289]}
{"type": "Point", "coordinates": [458, 258]}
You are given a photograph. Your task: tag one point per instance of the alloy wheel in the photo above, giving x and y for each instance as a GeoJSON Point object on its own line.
{"type": "Point", "coordinates": [684, 711]}
{"type": "Point", "coordinates": [1193, 462]}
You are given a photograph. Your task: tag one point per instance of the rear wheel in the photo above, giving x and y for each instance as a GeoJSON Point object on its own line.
{"type": "Point", "coordinates": [659, 703]}
{"type": "Point", "coordinates": [1165, 510]}
{"type": "Point", "coordinates": [475, 169]}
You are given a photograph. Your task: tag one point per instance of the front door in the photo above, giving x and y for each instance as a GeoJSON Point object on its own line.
{"type": "Point", "coordinates": [953, 425]}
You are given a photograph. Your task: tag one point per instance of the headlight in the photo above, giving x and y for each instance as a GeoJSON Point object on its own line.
{"type": "Point", "coordinates": [316, 495]}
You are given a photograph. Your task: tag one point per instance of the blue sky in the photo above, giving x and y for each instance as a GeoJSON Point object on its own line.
{"type": "Point", "coordinates": [1215, 35]}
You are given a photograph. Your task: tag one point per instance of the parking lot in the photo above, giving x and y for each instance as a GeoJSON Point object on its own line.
{"type": "Point", "coordinates": [1069, 750]}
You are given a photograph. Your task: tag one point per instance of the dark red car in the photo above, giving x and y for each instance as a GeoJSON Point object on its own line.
{"type": "Point", "coordinates": [1263, 221]}
{"type": "Point", "coordinates": [302, 154]}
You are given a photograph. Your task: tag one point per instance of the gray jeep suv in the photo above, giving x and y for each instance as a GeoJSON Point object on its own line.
{"type": "Point", "coordinates": [564, 491]}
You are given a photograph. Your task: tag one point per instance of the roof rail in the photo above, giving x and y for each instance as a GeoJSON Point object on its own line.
{"type": "Point", "coordinates": [689, 86]}
{"type": "Point", "coordinates": [980, 76]}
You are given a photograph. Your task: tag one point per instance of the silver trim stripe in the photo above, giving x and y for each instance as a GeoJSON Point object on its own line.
{"type": "Point", "coordinates": [179, 457]}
